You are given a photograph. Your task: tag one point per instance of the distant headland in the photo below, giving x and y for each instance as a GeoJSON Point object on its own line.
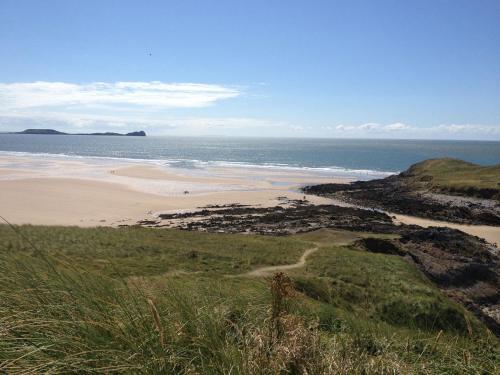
{"type": "Point", "coordinates": [55, 132]}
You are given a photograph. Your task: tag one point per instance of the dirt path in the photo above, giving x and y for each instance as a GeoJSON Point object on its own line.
{"type": "Point", "coordinates": [264, 271]}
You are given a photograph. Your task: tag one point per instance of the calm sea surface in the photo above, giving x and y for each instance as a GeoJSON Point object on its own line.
{"type": "Point", "coordinates": [335, 155]}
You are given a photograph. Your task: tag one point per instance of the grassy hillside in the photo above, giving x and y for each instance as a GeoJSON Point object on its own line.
{"type": "Point", "coordinates": [137, 300]}
{"type": "Point", "coordinates": [457, 176]}
{"type": "Point", "coordinates": [150, 252]}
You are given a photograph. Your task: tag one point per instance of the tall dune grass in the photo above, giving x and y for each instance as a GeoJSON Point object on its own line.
{"type": "Point", "coordinates": [59, 317]}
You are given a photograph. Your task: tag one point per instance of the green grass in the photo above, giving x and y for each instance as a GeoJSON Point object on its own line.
{"type": "Point", "coordinates": [457, 176]}
{"type": "Point", "coordinates": [382, 288]}
{"type": "Point", "coordinates": [108, 301]}
{"type": "Point", "coordinates": [147, 252]}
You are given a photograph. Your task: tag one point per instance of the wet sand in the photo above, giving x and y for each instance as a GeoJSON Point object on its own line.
{"type": "Point", "coordinates": [85, 193]}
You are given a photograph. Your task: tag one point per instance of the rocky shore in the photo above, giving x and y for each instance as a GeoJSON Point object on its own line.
{"type": "Point", "coordinates": [395, 194]}
{"type": "Point", "coordinates": [439, 189]}
{"type": "Point", "coordinates": [292, 216]}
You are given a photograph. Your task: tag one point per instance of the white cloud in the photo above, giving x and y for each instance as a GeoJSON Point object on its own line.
{"type": "Point", "coordinates": [373, 127]}
{"type": "Point", "coordinates": [401, 130]}
{"type": "Point", "coordinates": [396, 126]}
{"type": "Point", "coordinates": [158, 107]}
{"type": "Point", "coordinates": [369, 126]}
{"type": "Point", "coordinates": [469, 128]}
{"type": "Point", "coordinates": [98, 106]}
{"type": "Point", "coordinates": [153, 94]}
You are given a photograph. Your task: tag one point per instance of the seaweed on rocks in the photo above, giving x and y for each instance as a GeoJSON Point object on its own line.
{"type": "Point", "coordinates": [279, 220]}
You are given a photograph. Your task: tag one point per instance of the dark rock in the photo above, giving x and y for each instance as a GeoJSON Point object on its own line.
{"type": "Point", "coordinates": [465, 267]}
{"type": "Point", "coordinates": [394, 194]}
{"type": "Point", "coordinates": [148, 222]}
{"type": "Point", "coordinates": [278, 220]}
{"type": "Point", "coordinates": [379, 245]}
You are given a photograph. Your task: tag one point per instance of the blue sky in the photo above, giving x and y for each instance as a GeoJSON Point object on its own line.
{"type": "Point", "coordinates": [369, 69]}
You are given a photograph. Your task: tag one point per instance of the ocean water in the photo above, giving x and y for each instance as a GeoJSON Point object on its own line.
{"type": "Point", "coordinates": [359, 158]}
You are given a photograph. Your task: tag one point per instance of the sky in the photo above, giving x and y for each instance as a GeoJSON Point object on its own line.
{"type": "Point", "coordinates": [426, 69]}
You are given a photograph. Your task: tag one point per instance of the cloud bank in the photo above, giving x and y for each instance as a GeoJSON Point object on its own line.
{"type": "Point", "coordinates": [402, 130]}
{"type": "Point", "coordinates": [144, 94]}
{"type": "Point", "coordinates": [99, 106]}
{"type": "Point", "coordinates": [155, 106]}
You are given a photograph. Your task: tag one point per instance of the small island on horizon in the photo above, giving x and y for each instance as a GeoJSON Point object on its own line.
{"type": "Point", "coordinates": [140, 133]}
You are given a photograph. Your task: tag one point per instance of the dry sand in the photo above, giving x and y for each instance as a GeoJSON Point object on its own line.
{"type": "Point", "coordinates": [95, 193]}
{"type": "Point", "coordinates": [60, 201]}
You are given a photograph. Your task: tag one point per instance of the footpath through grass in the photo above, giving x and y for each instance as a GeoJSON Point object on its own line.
{"type": "Point", "coordinates": [139, 300]}
{"type": "Point", "coordinates": [139, 251]}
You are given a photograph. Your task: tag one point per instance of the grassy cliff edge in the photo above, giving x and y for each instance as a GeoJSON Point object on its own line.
{"type": "Point", "coordinates": [453, 176]}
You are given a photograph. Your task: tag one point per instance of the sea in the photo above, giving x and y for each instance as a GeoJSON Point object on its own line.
{"type": "Point", "coordinates": [358, 158]}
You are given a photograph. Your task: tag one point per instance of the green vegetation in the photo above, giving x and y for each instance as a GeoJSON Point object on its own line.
{"type": "Point", "coordinates": [138, 300]}
{"type": "Point", "coordinates": [457, 177]}
{"type": "Point", "coordinates": [379, 287]}
{"type": "Point", "coordinates": [149, 252]}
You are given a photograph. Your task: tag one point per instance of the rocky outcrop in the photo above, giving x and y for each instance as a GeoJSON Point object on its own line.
{"type": "Point", "coordinates": [394, 194]}
{"type": "Point", "coordinates": [466, 268]}
{"type": "Point", "coordinates": [379, 245]}
{"type": "Point", "coordinates": [278, 220]}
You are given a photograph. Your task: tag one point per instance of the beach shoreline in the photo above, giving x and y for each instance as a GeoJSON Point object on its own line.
{"type": "Point", "coordinates": [89, 193]}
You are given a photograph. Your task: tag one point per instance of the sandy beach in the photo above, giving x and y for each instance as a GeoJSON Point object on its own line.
{"type": "Point", "coordinates": [110, 193]}
{"type": "Point", "coordinates": [89, 192]}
